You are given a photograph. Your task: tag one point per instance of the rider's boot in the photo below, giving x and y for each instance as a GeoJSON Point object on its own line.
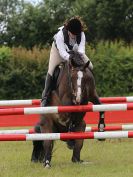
{"type": "Point", "coordinates": [47, 90]}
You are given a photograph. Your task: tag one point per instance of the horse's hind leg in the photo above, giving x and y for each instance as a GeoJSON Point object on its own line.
{"type": "Point", "coordinates": [46, 127]}
{"type": "Point", "coordinates": [101, 124]}
{"type": "Point", "coordinates": [37, 153]}
{"type": "Point", "coordinates": [78, 143]}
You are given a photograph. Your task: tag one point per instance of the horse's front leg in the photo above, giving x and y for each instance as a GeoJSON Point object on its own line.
{"type": "Point", "coordinates": [101, 123]}
{"type": "Point", "coordinates": [76, 151]}
{"type": "Point", "coordinates": [48, 147]}
{"type": "Point", "coordinates": [46, 127]}
{"type": "Point", "coordinates": [78, 143]}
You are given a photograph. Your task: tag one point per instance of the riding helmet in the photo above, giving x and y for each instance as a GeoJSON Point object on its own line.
{"type": "Point", "coordinates": [74, 26]}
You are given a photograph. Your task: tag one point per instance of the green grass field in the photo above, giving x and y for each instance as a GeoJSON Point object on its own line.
{"type": "Point", "coordinates": [112, 158]}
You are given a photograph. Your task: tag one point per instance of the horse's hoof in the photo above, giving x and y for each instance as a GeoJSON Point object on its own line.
{"type": "Point", "coordinates": [41, 161]}
{"type": "Point", "coordinates": [74, 160]}
{"type": "Point", "coordinates": [47, 164]}
{"type": "Point", "coordinates": [34, 160]}
{"type": "Point", "coordinates": [101, 139]}
{"type": "Point", "coordinates": [101, 129]}
{"type": "Point", "coordinates": [81, 161]}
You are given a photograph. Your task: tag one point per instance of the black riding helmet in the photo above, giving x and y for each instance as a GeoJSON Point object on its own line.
{"type": "Point", "coordinates": [74, 26]}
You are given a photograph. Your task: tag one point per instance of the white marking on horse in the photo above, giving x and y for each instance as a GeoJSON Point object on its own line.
{"type": "Point", "coordinates": [78, 95]}
{"type": "Point", "coordinates": [47, 164]}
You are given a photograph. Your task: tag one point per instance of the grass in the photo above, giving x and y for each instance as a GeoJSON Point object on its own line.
{"type": "Point", "coordinates": [112, 158]}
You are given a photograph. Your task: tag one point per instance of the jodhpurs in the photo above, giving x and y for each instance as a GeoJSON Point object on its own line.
{"type": "Point", "coordinates": [55, 59]}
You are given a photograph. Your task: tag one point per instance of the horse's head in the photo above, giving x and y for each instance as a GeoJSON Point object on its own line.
{"type": "Point", "coordinates": [76, 59]}
{"type": "Point", "coordinates": [79, 78]}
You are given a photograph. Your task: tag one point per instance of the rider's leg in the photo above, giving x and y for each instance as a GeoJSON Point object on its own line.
{"type": "Point", "coordinates": [47, 90]}
{"type": "Point", "coordinates": [54, 60]}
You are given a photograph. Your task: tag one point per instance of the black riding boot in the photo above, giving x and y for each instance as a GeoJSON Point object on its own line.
{"type": "Point", "coordinates": [47, 90]}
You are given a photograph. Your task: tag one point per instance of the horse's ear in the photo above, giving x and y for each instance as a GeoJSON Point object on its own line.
{"type": "Point", "coordinates": [87, 64]}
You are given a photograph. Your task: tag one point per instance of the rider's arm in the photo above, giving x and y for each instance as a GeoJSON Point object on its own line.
{"type": "Point", "coordinates": [81, 47]}
{"type": "Point", "coordinates": [59, 39]}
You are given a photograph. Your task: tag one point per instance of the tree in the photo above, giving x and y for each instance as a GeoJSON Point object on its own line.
{"type": "Point", "coordinates": [87, 10]}
{"type": "Point", "coordinates": [115, 19]}
{"type": "Point", "coordinates": [53, 15]}
{"type": "Point", "coordinates": [28, 25]}
{"type": "Point", "coordinates": [8, 11]}
{"type": "Point", "coordinates": [37, 24]}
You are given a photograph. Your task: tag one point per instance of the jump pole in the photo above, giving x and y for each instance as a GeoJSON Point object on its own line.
{"type": "Point", "coordinates": [111, 128]}
{"type": "Point", "coordinates": [37, 101]}
{"type": "Point", "coordinates": [66, 136]}
{"type": "Point", "coordinates": [62, 109]}
{"type": "Point", "coordinates": [116, 99]}
{"type": "Point", "coordinates": [88, 129]}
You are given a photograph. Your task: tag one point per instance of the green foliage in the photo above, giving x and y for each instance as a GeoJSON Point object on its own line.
{"type": "Point", "coordinates": [23, 75]}
{"type": "Point", "coordinates": [5, 67]}
{"type": "Point", "coordinates": [36, 25]}
{"type": "Point", "coordinates": [110, 158]}
{"type": "Point", "coordinates": [28, 25]}
{"type": "Point", "coordinates": [10, 11]}
{"type": "Point", "coordinates": [22, 71]}
{"type": "Point", "coordinates": [113, 18]}
{"type": "Point", "coordinates": [5, 54]}
{"type": "Point", "coordinates": [87, 10]}
{"type": "Point", "coordinates": [113, 68]}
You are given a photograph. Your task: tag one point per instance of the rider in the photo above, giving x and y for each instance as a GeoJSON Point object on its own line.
{"type": "Point", "coordinates": [68, 36]}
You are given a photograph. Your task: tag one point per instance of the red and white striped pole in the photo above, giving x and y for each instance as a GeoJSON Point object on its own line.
{"type": "Point", "coordinates": [111, 128]}
{"type": "Point", "coordinates": [116, 99]}
{"type": "Point", "coordinates": [37, 101]}
{"type": "Point", "coordinates": [21, 131]}
{"type": "Point", "coordinates": [88, 129]}
{"type": "Point", "coordinates": [61, 109]}
{"type": "Point", "coordinates": [20, 102]}
{"type": "Point", "coordinates": [66, 136]}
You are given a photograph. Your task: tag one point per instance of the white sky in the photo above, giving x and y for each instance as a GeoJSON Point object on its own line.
{"type": "Point", "coordinates": [33, 1]}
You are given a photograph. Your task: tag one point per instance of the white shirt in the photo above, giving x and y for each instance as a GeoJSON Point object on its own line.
{"type": "Point", "coordinates": [63, 48]}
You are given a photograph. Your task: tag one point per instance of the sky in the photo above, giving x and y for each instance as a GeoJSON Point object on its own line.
{"type": "Point", "coordinates": [33, 1]}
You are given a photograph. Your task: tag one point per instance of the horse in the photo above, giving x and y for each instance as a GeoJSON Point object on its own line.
{"type": "Point", "coordinates": [75, 86]}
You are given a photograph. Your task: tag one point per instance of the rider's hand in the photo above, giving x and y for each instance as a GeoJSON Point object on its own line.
{"type": "Point", "coordinates": [91, 65]}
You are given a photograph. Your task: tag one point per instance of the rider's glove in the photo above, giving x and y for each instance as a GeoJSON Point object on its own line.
{"type": "Point", "coordinates": [91, 65]}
